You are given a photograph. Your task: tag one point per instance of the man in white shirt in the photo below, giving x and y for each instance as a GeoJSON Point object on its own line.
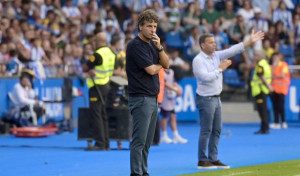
{"type": "Point", "coordinates": [24, 95]}
{"type": "Point", "coordinates": [208, 66]}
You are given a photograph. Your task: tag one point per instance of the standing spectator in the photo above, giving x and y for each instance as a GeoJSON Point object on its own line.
{"type": "Point", "coordinates": [38, 58]}
{"type": "Point", "coordinates": [261, 88]}
{"type": "Point", "coordinates": [210, 15]}
{"type": "Point", "coordinates": [145, 57]}
{"type": "Point", "coordinates": [280, 83]}
{"type": "Point", "coordinates": [258, 22]}
{"type": "Point", "coordinates": [167, 109]}
{"type": "Point", "coordinates": [246, 11]}
{"type": "Point", "coordinates": [207, 67]}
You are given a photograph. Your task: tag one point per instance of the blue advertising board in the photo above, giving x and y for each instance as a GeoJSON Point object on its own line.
{"type": "Point", "coordinates": [50, 90]}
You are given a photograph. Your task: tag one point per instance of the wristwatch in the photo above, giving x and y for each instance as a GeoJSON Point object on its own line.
{"type": "Point", "coordinates": [161, 49]}
{"type": "Point", "coordinates": [220, 70]}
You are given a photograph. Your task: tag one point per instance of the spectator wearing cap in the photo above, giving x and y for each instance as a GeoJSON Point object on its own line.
{"type": "Point", "coordinates": [264, 6]}
{"type": "Point", "coordinates": [258, 22]}
{"type": "Point", "coordinates": [111, 21]}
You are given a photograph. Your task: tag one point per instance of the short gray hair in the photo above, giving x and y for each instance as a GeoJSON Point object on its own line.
{"type": "Point", "coordinates": [203, 37]}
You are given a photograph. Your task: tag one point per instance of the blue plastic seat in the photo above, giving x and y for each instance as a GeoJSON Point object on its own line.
{"type": "Point", "coordinates": [173, 39]}
{"type": "Point", "coordinates": [231, 78]}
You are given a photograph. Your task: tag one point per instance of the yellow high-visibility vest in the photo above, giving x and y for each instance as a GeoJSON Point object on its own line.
{"type": "Point", "coordinates": [257, 86]}
{"type": "Point", "coordinates": [104, 71]}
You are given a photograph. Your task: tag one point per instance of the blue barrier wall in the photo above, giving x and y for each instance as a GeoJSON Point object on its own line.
{"type": "Point", "coordinates": [50, 89]}
{"type": "Point", "coordinates": [47, 90]}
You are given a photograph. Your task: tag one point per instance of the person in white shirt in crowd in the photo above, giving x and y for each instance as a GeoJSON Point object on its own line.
{"type": "Point", "coordinates": [72, 13]}
{"type": "Point", "coordinates": [246, 11]}
{"type": "Point", "coordinates": [260, 23]}
{"type": "Point", "coordinates": [167, 109]}
{"type": "Point", "coordinates": [284, 15]}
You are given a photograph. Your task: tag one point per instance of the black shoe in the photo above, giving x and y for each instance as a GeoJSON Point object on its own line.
{"type": "Point", "coordinates": [206, 165]}
{"type": "Point", "coordinates": [219, 164]}
{"type": "Point", "coordinates": [262, 132]}
{"type": "Point", "coordinates": [95, 148]}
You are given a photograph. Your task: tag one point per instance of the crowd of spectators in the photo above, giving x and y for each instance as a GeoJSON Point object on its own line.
{"type": "Point", "coordinates": [54, 37]}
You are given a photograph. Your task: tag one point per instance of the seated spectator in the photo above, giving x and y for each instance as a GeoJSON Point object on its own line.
{"type": "Point", "coordinates": [227, 16]}
{"type": "Point", "coordinates": [265, 7]}
{"type": "Point", "coordinates": [283, 15]}
{"type": "Point", "coordinates": [246, 11]}
{"type": "Point", "coordinates": [267, 49]}
{"type": "Point", "coordinates": [190, 17]}
{"type": "Point", "coordinates": [192, 45]}
{"type": "Point", "coordinates": [297, 31]}
{"type": "Point", "coordinates": [210, 15]}
{"type": "Point", "coordinates": [238, 30]}
{"type": "Point", "coordinates": [173, 15]}
{"type": "Point", "coordinates": [14, 65]}
{"type": "Point", "coordinates": [45, 7]}
{"type": "Point", "coordinates": [258, 22]}
{"type": "Point", "coordinates": [38, 57]}
{"type": "Point", "coordinates": [221, 38]}
{"type": "Point", "coordinates": [272, 37]}
{"type": "Point", "coordinates": [71, 12]}
{"type": "Point", "coordinates": [111, 21]}
{"type": "Point", "coordinates": [284, 37]}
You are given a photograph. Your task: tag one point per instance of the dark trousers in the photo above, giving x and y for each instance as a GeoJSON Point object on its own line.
{"type": "Point", "coordinates": [99, 119]}
{"type": "Point", "coordinates": [278, 106]}
{"type": "Point", "coordinates": [157, 133]}
{"type": "Point", "coordinates": [144, 114]}
{"type": "Point", "coordinates": [261, 103]}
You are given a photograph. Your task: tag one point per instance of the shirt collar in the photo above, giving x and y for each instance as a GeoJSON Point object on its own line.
{"type": "Point", "coordinates": [205, 55]}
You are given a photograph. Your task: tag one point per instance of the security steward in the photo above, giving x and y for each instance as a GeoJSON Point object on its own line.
{"type": "Point", "coordinates": [100, 68]}
{"type": "Point", "coordinates": [261, 88]}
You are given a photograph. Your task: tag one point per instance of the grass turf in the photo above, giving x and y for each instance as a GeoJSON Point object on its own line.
{"type": "Point", "coordinates": [285, 168]}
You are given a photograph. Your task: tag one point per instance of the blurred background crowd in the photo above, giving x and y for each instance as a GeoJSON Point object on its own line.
{"type": "Point", "coordinates": [55, 37]}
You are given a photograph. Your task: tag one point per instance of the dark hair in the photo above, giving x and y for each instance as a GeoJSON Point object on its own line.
{"type": "Point", "coordinates": [203, 38]}
{"type": "Point", "coordinates": [115, 39]}
{"type": "Point", "coordinates": [147, 15]}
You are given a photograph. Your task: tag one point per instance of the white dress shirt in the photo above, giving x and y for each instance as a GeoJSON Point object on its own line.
{"type": "Point", "coordinates": [23, 96]}
{"type": "Point", "coordinates": [206, 70]}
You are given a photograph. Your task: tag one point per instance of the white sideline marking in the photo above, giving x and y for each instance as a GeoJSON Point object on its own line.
{"type": "Point", "coordinates": [239, 173]}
